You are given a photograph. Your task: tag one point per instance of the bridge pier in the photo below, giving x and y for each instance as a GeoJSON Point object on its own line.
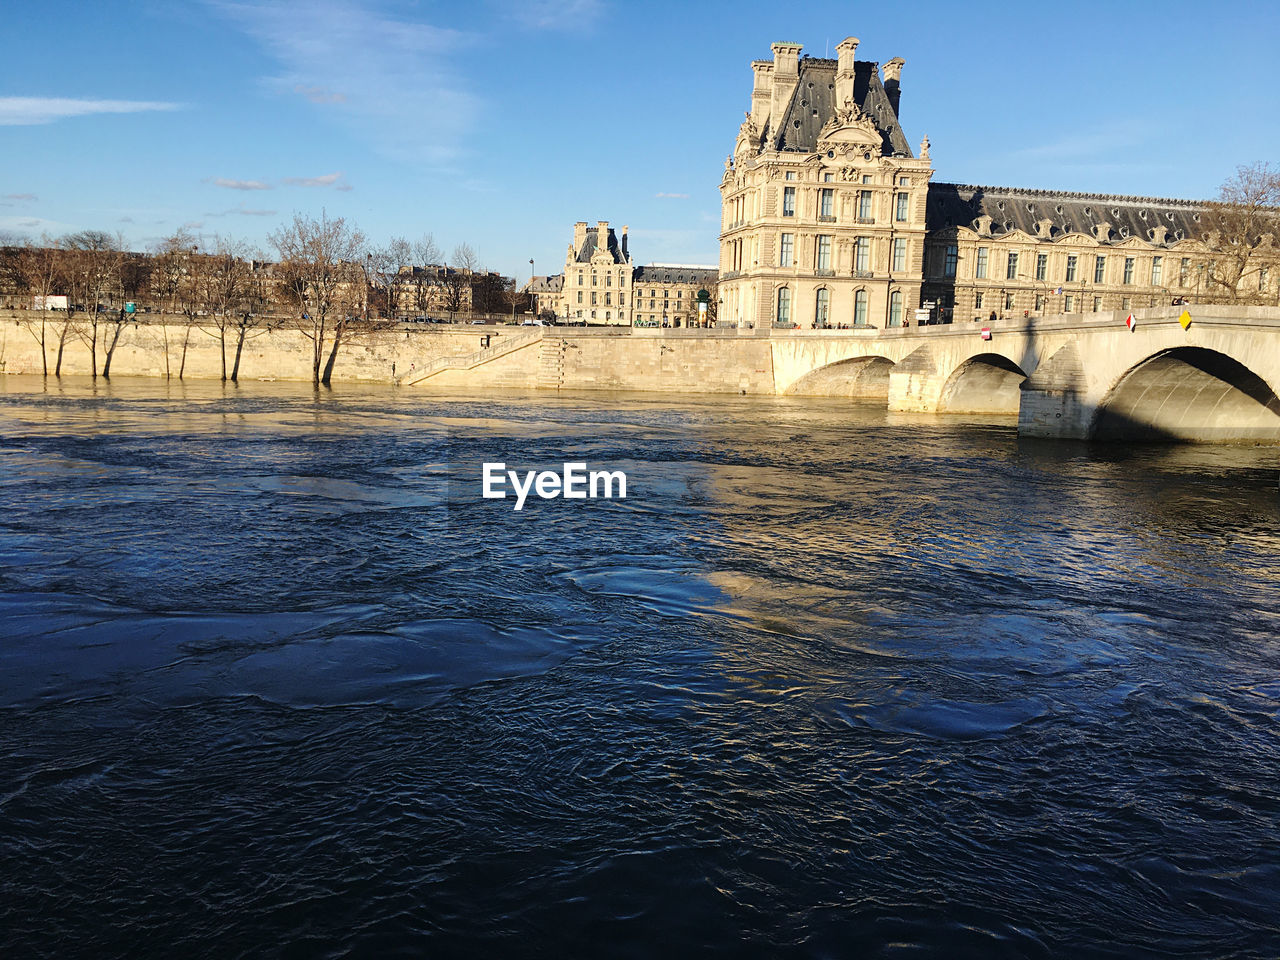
{"type": "Point", "coordinates": [1055, 398]}
{"type": "Point", "coordinates": [915, 384]}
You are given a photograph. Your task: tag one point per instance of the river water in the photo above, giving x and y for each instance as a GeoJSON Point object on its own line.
{"type": "Point", "coordinates": [275, 680]}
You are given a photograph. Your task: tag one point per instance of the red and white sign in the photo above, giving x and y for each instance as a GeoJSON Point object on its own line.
{"type": "Point", "coordinates": [1130, 323]}
{"type": "Point", "coordinates": [986, 333]}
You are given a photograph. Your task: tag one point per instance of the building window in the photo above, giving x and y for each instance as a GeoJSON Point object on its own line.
{"type": "Point", "coordinates": [608, 315]}
{"type": "Point", "coordinates": [622, 299]}
{"type": "Point", "coordinates": [977, 300]}
{"type": "Point", "coordinates": [1008, 301]}
{"type": "Point", "coordinates": [1011, 271]}
{"type": "Point", "coordinates": [899, 254]}
{"type": "Point", "coordinates": [1039, 303]}
{"type": "Point", "coordinates": [1069, 303]}
{"type": "Point", "coordinates": [1097, 304]}
{"type": "Point", "coordinates": [1262, 279]}
{"type": "Point", "coordinates": [1184, 270]}
{"type": "Point", "coordinates": [1157, 270]}
{"type": "Point", "coordinates": [1128, 269]}
{"type": "Point", "coordinates": [608, 279]}
{"type": "Point", "coordinates": [828, 177]}
{"type": "Point", "coordinates": [824, 252]}
{"type": "Point", "coordinates": [1099, 269]}
{"type": "Point", "coordinates": [864, 204]}
{"type": "Point", "coordinates": [593, 278]}
{"type": "Point", "coordinates": [1071, 268]}
{"type": "Point", "coordinates": [821, 306]}
{"type": "Point", "coordinates": [608, 299]}
{"type": "Point", "coordinates": [1124, 303]}
{"type": "Point", "coordinates": [784, 305]}
{"type": "Point", "coordinates": [860, 308]}
{"type": "Point", "coordinates": [980, 271]}
{"type": "Point", "coordinates": [579, 296]}
{"type": "Point", "coordinates": [904, 181]}
{"type": "Point", "coordinates": [593, 298]}
{"type": "Point", "coordinates": [679, 294]}
{"type": "Point", "coordinates": [791, 175]}
{"type": "Point", "coordinates": [900, 211]}
{"type": "Point", "coordinates": [579, 278]}
{"type": "Point", "coordinates": [826, 203]}
{"type": "Point", "coordinates": [788, 250]}
{"type": "Point", "coordinates": [952, 260]}
{"type": "Point", "coordinates": [1042, 265]}
{"type": "Point", "coordinates": [861, 254]}
{"type": "Point", "coordinates": [788, 201]}
{"type": "Point", "coordinates": [895, 308]}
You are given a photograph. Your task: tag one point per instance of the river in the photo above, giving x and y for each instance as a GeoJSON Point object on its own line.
{"type": "Point", "coordinates": [276, 680]}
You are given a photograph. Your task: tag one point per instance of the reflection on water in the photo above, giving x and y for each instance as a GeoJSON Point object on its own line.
{"type": "Point", "coordinates": [832, 681]}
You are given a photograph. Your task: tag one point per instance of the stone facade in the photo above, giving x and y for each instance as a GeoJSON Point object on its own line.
{"type": "Point", "coordinates": [597, 277]}
{"type": "Point", "coordinates": [666, 295]}
{"type": "Point", "coordinates": [1028, 253]}
{"type": "Point", "coordinates": [830, 220]}
{"type": "Point", "coordinates": [823, 201]}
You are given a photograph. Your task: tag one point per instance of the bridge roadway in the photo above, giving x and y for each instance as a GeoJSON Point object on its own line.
{"type": "Point", "coordinates": [1072, 376]}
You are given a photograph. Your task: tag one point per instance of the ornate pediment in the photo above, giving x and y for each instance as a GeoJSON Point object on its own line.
{"type": "Point", "coordinates": [748, 137]}
{"type": "Point", "coordinates": [849, 131]}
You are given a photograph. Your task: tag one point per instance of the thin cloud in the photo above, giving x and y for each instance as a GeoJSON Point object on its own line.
{"type": "Point", "coordinates": [239, 184]}
{"type": "Point", "coordinates": [21, 196]}
{"type": "Point", "coordinates": [327, 180]}
{"type": "Point", "coordinates": [240, 211]}
{"type": "Point", "coordinates": [320, 94]}
{"type": "Point", "coordinates": [671, 196]}
{"type": "Point", "coordinates": [28, 111]}
{"type": "Point", "coordinates": [552, 14]}
{"type": "Point", "coordinates": [386, 69]}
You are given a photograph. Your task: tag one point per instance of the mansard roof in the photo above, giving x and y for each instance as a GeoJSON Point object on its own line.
{"type": "Point", "coordinates": [588, 248]}
{"type": "Point", "coordinates": [1015, 208]}
{"type": "Point", "coordinates": [674, 273]}
{"type": "Point", "coordinates": [813, 104]}
{"type": "Point", "coordinates": [552, 284]}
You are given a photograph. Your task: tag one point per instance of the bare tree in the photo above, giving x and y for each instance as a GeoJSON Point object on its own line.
{"type": "Point", "coordinates": [323, 270]}
{"type": "Point", "coordinates": [37, 268]}
{"type": "Point", "coordinates": [94, 264]}
{"type": "Point", "coordinates": [1240, 231]}
{"type": "Point", "coordinates": [170, 264]}
{"type": "Point", "coordinates": [253, 318]}
{"type": "Point", "coordinates": [382, 268]}
{"type": "Point", "coordinates": [225, 280]}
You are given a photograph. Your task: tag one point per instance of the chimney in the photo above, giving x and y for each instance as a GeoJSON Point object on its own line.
{"type": "Point", "coordinates": [761, 92]}
{"type": "Point", "coordinates": [579, 236]}
{"type": "Point", "coordinates": [602, 235]}
{"type": "Point", "coordinates": [625, 256]}
{"type": "Point", "coordinates": [846, 51]}
{"type": "Point", "coordinates": [892, 82]}
{"type": "Point", "coordinates": [786, 75]}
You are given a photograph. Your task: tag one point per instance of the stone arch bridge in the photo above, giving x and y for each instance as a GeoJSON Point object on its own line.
{"type": "Point", "coordinates": [1075, 376]}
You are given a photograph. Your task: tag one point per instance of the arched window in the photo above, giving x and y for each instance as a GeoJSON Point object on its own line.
{"type": "Point", "coordinates": [895, 308]}
{"type": "Point", "coordinates": [784, 304]}
{"type": "Point", "coordinates": [860, 308]}
{"type": "Point", "coordinates": [821, 307]}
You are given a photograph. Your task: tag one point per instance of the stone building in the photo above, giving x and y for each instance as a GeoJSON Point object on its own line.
{"type": "Point", "coordinates": [666, 295]}
{"type": "Point", "coordinates": [1022, 253]}
{"type": "Point", "coordinates": [829, 219]}
{"type": "Point", "coordinates": [597, 276]}
{"type": "Point", "coordinates": [823, 200]}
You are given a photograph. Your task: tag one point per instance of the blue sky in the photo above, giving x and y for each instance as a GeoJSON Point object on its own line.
{"type": "Point", "coordinates": [501, 122]}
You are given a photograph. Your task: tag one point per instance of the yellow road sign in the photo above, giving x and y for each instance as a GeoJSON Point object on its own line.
{"type": "Point", "coordinates": [1185, 319]}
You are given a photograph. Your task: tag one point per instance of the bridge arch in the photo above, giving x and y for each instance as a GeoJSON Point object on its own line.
{"type": "Point", "coordinates": [1189, 393]}
{"type": "Point", "coordinates": [986, 383]}
{"type": "Point", "coordinates": [865, 378]}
